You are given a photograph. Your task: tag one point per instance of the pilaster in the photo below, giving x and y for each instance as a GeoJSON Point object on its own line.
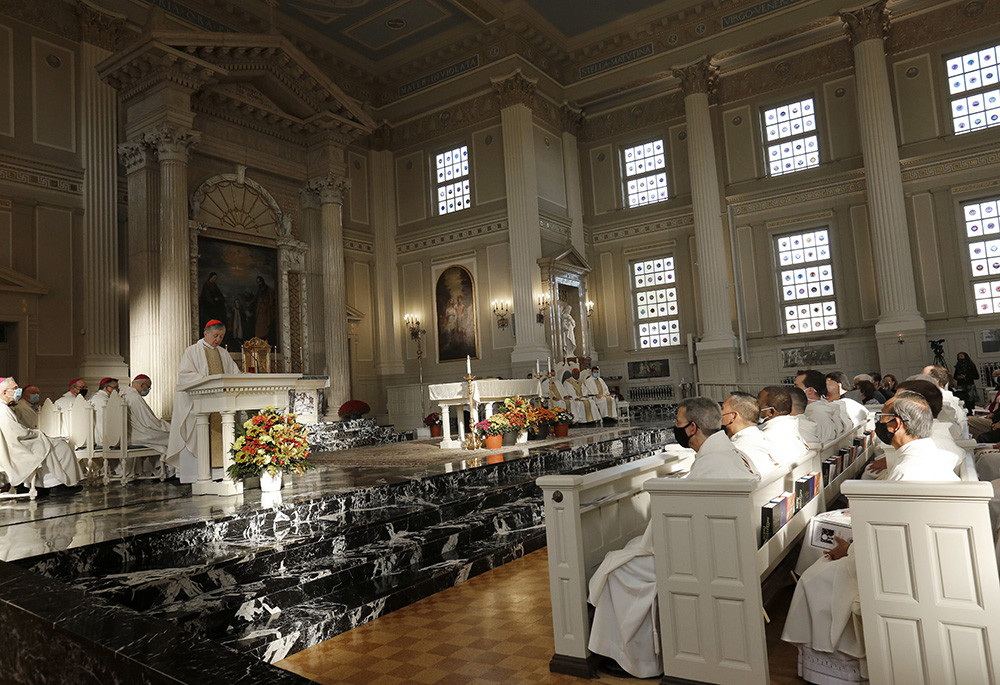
{"type": "Point", "coordinates": [572, 123]}
{"type": "Point", "coordinates": [387, 313]}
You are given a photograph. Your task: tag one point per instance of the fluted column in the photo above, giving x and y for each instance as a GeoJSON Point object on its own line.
{"type": "Point", "coordinates": [521, 179]}
{"type": "Point", "coordinates": [173, 146]}
{"type": "Point", "coordinates": [387, 314]}
{"type": "Point", "coordinates": [102, 355]}
{"type": "Point", "coordinates": [572, 121]}
{"type": "Point", "coordinates": [867, 28]}
{"type": "Point", "coordinates": [331, 197]}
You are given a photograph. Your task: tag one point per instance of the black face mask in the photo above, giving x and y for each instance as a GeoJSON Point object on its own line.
{"type": "Point", "coordinates": [83, 393]}
{"type": "Point", "coordinates": [681, 436]}
{"type": "Point", "coordinates": [883, 432]}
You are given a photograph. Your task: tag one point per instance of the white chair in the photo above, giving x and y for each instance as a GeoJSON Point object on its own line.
{"type": "Point", "coordinates": [623, 413]}
{"type": "Point", "coordinates": [116, 445]}
{"type": "Point", "coordinates": [49, 419]}
{"type": "Point", "coordinates": [79, 424]}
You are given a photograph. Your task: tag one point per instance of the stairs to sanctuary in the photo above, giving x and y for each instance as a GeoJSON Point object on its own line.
{"type": "Point", "coordinates": [271, 582]}
{"type": "Point", "coordinates": [329, 436]}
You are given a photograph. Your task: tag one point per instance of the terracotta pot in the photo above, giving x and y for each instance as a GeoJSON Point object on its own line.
{"type": "Point", "coordinates": [494, 442]}
{"type": "Point", "coordinates": [562, 430]}
{"type": "Point", "coordinates": [436, 431]}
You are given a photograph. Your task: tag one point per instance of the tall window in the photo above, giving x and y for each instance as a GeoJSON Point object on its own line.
{"type": "Point", "coordinates": [805, 270]}
{"type": "Point", "coordinates": [786, 129]}
{"type": "Point", "coordinates": [453, 193]}
{"type": "Point", "coordinates": [655, 297]}
{"type": "Point", "coordinates": [973, 79]}
{"type": "Point", "coordinates": [644, 173]}
{"type": "Point", "coordinates": [982, 231]}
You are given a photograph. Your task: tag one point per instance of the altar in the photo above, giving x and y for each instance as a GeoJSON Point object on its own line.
{"type": "Point", "coordinates": [449, 395]}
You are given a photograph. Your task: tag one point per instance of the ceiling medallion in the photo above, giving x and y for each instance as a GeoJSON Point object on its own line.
{"type": "Point", "coordinates": [395, 23]}
{"type": "Point", "coordinates": [912, 72]}
{"type": "Point", "coordinates": [672, 38]}
{"type": "Point", "coordinates": [700, 29]}
{"type": "Point", "coordinates": [782, 68]}
{"type": "Point", "coordinates": [974, 9]}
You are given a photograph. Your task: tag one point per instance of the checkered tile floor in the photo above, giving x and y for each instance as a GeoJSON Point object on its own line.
{"type": "Point", "coordinates": [494, 628]}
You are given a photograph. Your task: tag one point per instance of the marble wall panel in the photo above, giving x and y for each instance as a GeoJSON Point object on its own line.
{"type": "Point", "coordinates": [741, 153]}
{"type": "Point", "coordinates": [928, 257]}
{"type": "Point", "coordinates": [840, 107]}
{"type": "Point", "coordinates": [6, 238]}
{"type": "Point", "coordinates": [679, 182]}
{"type": "Point", "coordinates": [53, 95]}
{"type": "Point", "coordinates": [361, 299]}
{"type": "Point", "coordinates": [499, 287]}
{"type": "Point", "coordinates": [609, 293]}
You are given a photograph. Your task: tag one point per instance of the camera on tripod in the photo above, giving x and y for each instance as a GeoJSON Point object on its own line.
{"type": "Point", "coordinates": [937, 346]}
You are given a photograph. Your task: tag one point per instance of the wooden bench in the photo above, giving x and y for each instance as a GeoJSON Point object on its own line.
{"type": "Point", "coordinates": [710, 564]}
{"type": "Point", "coordinates": [585, 518]}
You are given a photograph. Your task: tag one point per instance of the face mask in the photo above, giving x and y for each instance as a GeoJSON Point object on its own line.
{"type": "Point", "coordinates": [681, 436]}
{"type": "Point", "coordinates": [597, 375]}
{"type": "Point", "coordinates": [883, 432]}
{"type": "Point", "coordinates": [34, 397]}
{"type": "Point", "coordinates": [83, 393]}
{"type": "Point", "coordinates": [17, 393]}
{"type": "Point", "coordinates": [145, 392]}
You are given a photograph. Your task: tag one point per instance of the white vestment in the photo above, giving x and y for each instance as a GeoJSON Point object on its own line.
{"type": "Point", "coordinates": [944, 440]}
{"type": "Point", "coordinates": [828, 420]}
{"type": "Point", "coordinates": [143, 425]}
{"type": "Point", "coordinates": [99, 401]}
{"type": "Point", "coordinates": [808, 431]}
{"type": "Point", "coordinates": [193, 368]}
{"type": "Point", "coordinates": [23, 449]}
{"type": "Point", "coordinates": [821, 614]}
{"type": "Point", "coordinates": [752, 444]}
{"type": "Point", "coordinates": [584, 409]}
{"type": "Point", "coordinates": [623, 588]}
{"type": "Point", "coordinates": [784, 439]}
{"type": "Point", "coordinates": [26, 413]}
{"type": "Point", "coordinates": [607, 404]}
{"type": "Point", "coordinates": [952, 411]}
{"type": "Point", "coordinates": [855, 411]}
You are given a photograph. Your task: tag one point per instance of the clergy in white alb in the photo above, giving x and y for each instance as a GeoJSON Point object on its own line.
{"type": "Point", "coordinates": [820, 616]}
{"type": "Point", "coordinates": [77, 386]}
{"type": "Point", "coordinates": [623, 588]}
{"type": "Point", "coordinates": [952, 409]}
{"type": "Point", "coordinates": [100, 401]}
{"type": "Point", "coordinates": [144, 427]}
{"type": "Point", "coordinates": [740, 413]}
{"type": "Point", "coordinates": [780, 429]}
{"type": "Point", "coordinates": [203, 359]}
{"type": "Point", "coordinates": [23, 449]}
{"type": "Point", "coordinates": [829, 422]}
{"type": "Point", "coordinates": [584, 409]}
{"type": "Point", "coordinates": [853, 412]}
{"type": "Point", "coordinates": [597, 389]}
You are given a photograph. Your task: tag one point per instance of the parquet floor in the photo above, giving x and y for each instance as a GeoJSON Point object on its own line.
{"type": "Point", "coordinates": [494, 628]}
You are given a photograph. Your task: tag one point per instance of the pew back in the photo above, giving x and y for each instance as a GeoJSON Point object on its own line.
{"type": "Point", "coordinates": [49, 419]}
{"type": "Point", "coordinates": [928, 582]}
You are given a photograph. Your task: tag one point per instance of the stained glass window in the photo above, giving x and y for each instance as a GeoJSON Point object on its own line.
{"type": "Point", "coordinates": [789, 148]}
{"type": "Point", "coordinates": [655, 297]}
{"type": "Point", "coordinates": [982, 229]}
{"type": "Point", "coordinates": [453, 190]}
{"type": "Point", "coordinates": [805, 273]}
{"type": "Point", "coordinates": [644, 173]}
{"type": "Point", "coordinates": [972, 84]}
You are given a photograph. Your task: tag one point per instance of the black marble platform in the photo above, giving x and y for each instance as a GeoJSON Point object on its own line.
{"type": "Point", "coordinates": [250, 584]}
{"type": "Point", "coordinates": [329, 436]}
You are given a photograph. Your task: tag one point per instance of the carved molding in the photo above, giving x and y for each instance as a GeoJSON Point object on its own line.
{"type": "Point", "coordinates": [477, 110]}
{"type": "Point", "coordinates": [171, 142]}
{"type": "Point", "coordinates": [700, 77]}
{"type": "Point", "coordinates": [308, 198]}
{"type": "Point", "coordinates": [623, 232]}
{"type": "Point", "coordinates": [381, 137]}
{"type": "Point", "coordinates": [451, 236]}
{"type": "Point", "coordinates": [867, 23]}
{"type": "Point", "coordinates": [330, 190]}
{"type": "Point", "coordinates": [516, 89]}
{"type": "Point", "coordinates": [238, 203]}
{"type": "Point", "coordinates": [24, 171]}
{"type": "Point", "coordinates": [56, 17]}
{"type": "Point", "coordinates": [823, 61]}
{"type": "Point", "coordinates": [650, 113]}
{"type": "Point", "coordinates": [103, 29]}
{"type": "Point", "coordinates": [572, 120]}
{"type": "Point", "coordinates": [135, 155]}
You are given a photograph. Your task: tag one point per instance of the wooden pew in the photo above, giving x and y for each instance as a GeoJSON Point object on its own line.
{"type": "Point", "coordinates": [709, 567]}
{"type": "Point", "coordinates": [585, 518]}
{"type": "Point", "coordinates": [928, 582]}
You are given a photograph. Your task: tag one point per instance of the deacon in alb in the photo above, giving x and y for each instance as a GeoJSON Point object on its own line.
{"type": "Point", "coordinates": [203, 359]}
{"type": "Point", "coordinates": [22, 449]}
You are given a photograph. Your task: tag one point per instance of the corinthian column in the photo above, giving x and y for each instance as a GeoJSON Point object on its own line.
{"type": "Point", "coordinates": [866, 28]}
{"type": "Point", "coordinates": [388, 332]}
{"type": "Point", "coordinates": [172, 147]}
{"type": "Point", "coordinates": [698, 81]}
{"type": "Point", "coordinates": [331, 197]}
{"type": "Point", "coordinates": [521, 177]}
{"type": "Point", "coordinates": [102, 283]}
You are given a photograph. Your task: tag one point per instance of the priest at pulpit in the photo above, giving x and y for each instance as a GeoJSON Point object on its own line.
{"type": "Point", "coordinates": [203, 359]}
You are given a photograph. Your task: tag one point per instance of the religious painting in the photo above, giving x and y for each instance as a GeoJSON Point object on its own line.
{"type": "Point", "coordinates": [238, 285]}
{"type": "Point", "coordinates": [808, 356]}
{"type": "Point", "coordinates": [990, 340]}
{"type": "Point", "coordinates": [652, 368]}
{"type": "Point", "coordinates": [455, 300]}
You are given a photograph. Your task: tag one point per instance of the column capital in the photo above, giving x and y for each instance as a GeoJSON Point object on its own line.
{"type": "Point", "coordinates": [171, 142]}
{"type": "Point", "coordinates": [308, 198]}
{"type": "Point", "coordinates": [572, 119]}
{"type": "Point", "coordinates": [381, 137]}
{"type": "Point", "coordinates": [330, 190]}
{"type": "Point", "coordinates": [866, 23]}
{"type": "Point", "coordinates": [699, 77]}
{"type": "Point", "coordinates": [516, 89]}
{"type": "Point", "coordinates": [101, 27]}
{"type": "Point", "coordinates": [135, 155]}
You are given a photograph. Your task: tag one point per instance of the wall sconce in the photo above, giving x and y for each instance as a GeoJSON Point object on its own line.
{"type": "Point", "coordinates": [899, 338]}
{"type": "Point", "coordinates": [501, 310]}
{"type": "Point", "coordinates": [590, 309]}
{"type": "Point", "coordinates": [413, 326]}
{"type": "Point", "coordinates": [543, 302]}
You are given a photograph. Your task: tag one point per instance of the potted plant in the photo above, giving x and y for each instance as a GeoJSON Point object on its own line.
{"type": "Point", "coordinates": [493, 430]}
{"type": "Point", "coordinates": [433, 421]}
{"type": "Point", "coordinates": [267, 445]}
{"type": "Point", "coordinates": [352, 410]}
{"type": "Point", "coordinates": [563, 417]}
{"type": "Point", "coordinates": [516, 411]}
{"type": "Point", "coordinates": [539, 420]}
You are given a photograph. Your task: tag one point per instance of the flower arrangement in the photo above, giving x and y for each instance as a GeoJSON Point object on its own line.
{"type": "Point", "coordinates": [270, 441]}
{"type": "Point", "coordinates": [516, 411]}
{"type": "Point", "coordinates": [563, 415]}
{"type": "Point", "coordinates": [498, 424]}
{"type": "Point", "coordinates": [432, 419]}
{"type": "Point", "coordinates": [353, 409]}
{"type": "Point", "coordinates": [540, 416]}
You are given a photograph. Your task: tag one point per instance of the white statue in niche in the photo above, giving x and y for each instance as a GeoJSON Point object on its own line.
{"type": "Point", "coordinates": [568, 327]}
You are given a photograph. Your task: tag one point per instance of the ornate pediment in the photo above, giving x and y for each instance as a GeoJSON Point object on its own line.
{"type": "Point", "coordinates": [14, 282]}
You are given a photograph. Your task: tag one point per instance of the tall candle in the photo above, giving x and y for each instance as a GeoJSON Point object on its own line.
{"type": "Point", "coordinates": [468, 364]}
{"type": "Point", "coordinates": [536, 367]}
{"type": "Point", "coordinates": [548, 364]}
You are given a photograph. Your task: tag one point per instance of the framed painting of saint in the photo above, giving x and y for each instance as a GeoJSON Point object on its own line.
{"type": "Point", "coordinates": [455, 302]}
{"type": "Point", "coordinates": [238, 286]}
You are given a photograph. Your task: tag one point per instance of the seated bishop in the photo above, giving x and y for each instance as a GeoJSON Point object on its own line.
{"type": "Point", "coordinates": [585, 409]}
{"type": "Point", "coordinates": [597, 389]}
{"type": "Point", "coordinates": [77, 386]}
{"type": "Point", "coordinates": [23, 450]}
{"type": "Point", "coordinates": [780, 428]}
{"type": "Point", "coordinates": [144, 427]}
{"type": "Point", "coordinates": [623, 588]}
{"type": "Point", "coordinates": [26, 408]}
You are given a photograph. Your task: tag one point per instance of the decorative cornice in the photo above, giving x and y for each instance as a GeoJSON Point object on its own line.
{"type": "Point", "coordinates": [452, 236]}
{"type": "Point", "coordinates": [654, 112]}
{"type": "Point", "coordinates": [622, 232]}
{"type": "Point", "coordinates": [700, 77]}
{"type": "Point", "coordinates": [799, 219]}
{"type": "Point", "coordinates": [381, 137]}
{"type": "Point", "coordinates": [848, 184]}
{"type": "Point", "coordinates": [152, 64]}
{"type": "Point", "coordinates": [101, 28]}
{"type": "Point", "coordinates": [358, 242]}
{"type": "Point", "coordinates": [516, 89]}
{"type": "Point", "coordinates": [39, 175]}
{"type": "Point", "coordinates": [308, 198]}
{"type": "Point", "coordinates": [819, 62]}
{"type": "Point", "coordinates": [476, 110]}
{"type": "Point", "coordinates": [55, 17]}
{"type": "Point", "coordinates": [916, 169]}
{"type": "Point", "coordinates": [866, 23]}
{"type": "Point", "coordinates": [559, 227]}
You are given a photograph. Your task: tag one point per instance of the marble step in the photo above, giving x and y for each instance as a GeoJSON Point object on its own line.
{"type": "Point", "coordinates": [310, 623]}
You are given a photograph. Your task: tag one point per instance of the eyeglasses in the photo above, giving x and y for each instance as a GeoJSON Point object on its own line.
{"type": "Point", "coordinates": [879, 415]}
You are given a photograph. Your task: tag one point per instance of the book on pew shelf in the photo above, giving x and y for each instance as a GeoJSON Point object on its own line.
{"type": "Point", "coordinates": [823, 528]}
{"type": "Point", "coordinates": [768, 520]}
{"type": "Point", "coordinates": [788, 499]}
{"type": "Point", "coordinates": [817, 482]}
{"type": "Point", "coordinates": [829, 469]}
{"type": "Point", "coordinates": [804, 490]}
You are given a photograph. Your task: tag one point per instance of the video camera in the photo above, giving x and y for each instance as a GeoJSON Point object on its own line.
{"type": "Point", "coordinates": [937, 346]}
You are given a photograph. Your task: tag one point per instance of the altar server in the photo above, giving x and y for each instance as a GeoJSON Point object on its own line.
{"type": "Point", "coordinates": [623, 588]}
{"type": "Point", "coordinates": [780, 428]}
{"type": "Point", "coordinates": [22, 449]}
{"type": "Point", "coordinates": [203, 359]}
{"type": "Point", "coordinates": [596, 388]}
